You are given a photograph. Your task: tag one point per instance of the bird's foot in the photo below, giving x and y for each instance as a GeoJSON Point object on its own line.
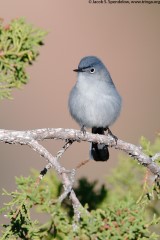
{"type": "Point", "coordinates": [112, 135]}
{"type": "Point", "coordinates": [83, 129]}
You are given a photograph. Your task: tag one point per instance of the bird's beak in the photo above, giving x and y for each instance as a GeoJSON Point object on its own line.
{"type": "Point", "coordinates": [78, 70]}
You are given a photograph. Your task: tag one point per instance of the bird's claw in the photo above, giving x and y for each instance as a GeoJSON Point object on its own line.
{"type": "Point", "coordinates": [83, 129]}
{"type": "Point", "coordinates": [112, 135]}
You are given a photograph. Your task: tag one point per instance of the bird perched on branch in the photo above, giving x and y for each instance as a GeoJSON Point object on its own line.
{"type": "Point", "coordinates": [94, 102]}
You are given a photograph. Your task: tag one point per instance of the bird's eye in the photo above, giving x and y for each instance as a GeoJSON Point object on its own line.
{"type": "Point", "coordinates": [92, 70]}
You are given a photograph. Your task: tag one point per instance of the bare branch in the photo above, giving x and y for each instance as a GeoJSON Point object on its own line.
{"type": "Point", "coordinates": [31, 138]}
{"type": "Point", "coordinates": [67, 182]}
{"type": "Point", "coordinates": [26, 137]}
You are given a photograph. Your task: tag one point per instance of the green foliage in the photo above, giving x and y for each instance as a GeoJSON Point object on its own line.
{"type": "Point", "coordinates": [127, 210]}
{"type": "Point", "coordinates": [19, 42]}
{"type": "Point", "coordinates": [28, 196]}
{"type": "Point", "coordinates": [90, 191]}
{"type": "Point", "coordinates": [126, 180]}
{"type": "Point", "coordinates": [150, 149]}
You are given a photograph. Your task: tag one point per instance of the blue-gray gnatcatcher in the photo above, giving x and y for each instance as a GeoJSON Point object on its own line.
{"type": "Point", "coordinates": [94, 101]}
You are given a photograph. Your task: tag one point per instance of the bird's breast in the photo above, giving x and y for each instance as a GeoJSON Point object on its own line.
{"type": "Point", "coordinates": [94, 105]}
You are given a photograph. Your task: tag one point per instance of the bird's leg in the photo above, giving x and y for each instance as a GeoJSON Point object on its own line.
{"type": "Point", "coordinates": [83, 129]}
{"type": "Point", "coordinates": [111, 134]}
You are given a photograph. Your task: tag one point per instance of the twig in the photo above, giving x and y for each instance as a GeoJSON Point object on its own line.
{"type": "Point", "coordinates": [67, 182]}
{"type": "Point", "coordinates": [64, 148]}
{"type": "Point", "coordinates": [84, 162]}
{"type": "Point", "coordinates": [49, 165]}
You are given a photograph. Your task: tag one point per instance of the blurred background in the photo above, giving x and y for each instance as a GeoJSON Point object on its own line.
{"type": "Point", "coordinates": [126, 38]}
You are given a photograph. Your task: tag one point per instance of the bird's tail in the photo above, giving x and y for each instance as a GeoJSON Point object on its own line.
{"type": "Point", "coordinates": [99, 152]}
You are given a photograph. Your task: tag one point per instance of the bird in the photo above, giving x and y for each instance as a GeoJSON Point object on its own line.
{"type": "Point", "coordinates": [94, 102]}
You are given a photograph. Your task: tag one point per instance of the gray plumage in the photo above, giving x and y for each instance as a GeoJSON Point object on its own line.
{"type": "Point", "coordinates": [94, 101]}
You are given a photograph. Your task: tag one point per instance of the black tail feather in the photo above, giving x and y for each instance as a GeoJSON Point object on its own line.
{"type": "Point", "coordinates": [99, 152]}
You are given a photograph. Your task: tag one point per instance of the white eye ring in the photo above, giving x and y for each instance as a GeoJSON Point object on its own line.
{"type": "Point", "coordinates": [92, 70]}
